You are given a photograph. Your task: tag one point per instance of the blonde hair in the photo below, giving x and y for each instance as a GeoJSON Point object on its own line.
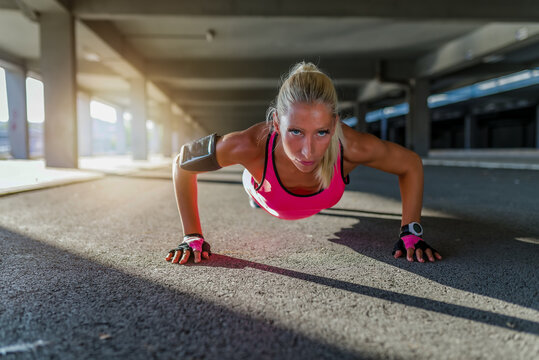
{"type": "Point", "coordinates": [305, 83]}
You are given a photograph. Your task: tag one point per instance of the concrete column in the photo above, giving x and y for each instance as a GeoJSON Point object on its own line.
{"type": "Point", "coordinates": [392, 134]}
{"type": "Point", "coordinates": [84, 126]}
{"type": "Point", "coordinates": [470, 131]}
{"type": "Point", "coordinates": [175, 135]}
{"type": "Point", "coordinates": [418, 119]}
{"type": "Point", "coordinates": [121, 138]}
{"type": "Point", "coordinates": [18, 122]}
{"type": "Point", "coordinates": [175, 142]}
{"type": "Point", "coordinates": [166, 120]}
{"type": "Point", "coordinates": [537, 126]}
{"type": "Point", "coordinates": [139, 137]}
{"type": "Point", "coordinates": [155, 138]}
{"type": "Point", "coordinates": [383, 129]}
{"type": "Point", "coordinates": [58, 70]}
{"type": "Point", "coordinates": [360, 112]}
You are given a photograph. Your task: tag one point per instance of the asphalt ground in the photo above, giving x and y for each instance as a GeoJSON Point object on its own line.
{"type": "Point", "coordinates": [83, 274]}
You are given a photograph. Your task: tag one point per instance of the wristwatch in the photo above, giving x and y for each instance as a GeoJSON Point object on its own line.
{"type": "Point", "coordinates": [413, 228]}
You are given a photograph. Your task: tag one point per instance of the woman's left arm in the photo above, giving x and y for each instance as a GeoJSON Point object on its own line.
{"type": "Point", "coordinates": [368, 150]}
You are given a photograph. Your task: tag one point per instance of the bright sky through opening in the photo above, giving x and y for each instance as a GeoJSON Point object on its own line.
{"type": "Point", "coordinates": [103, 112]}
{"type": "Point", "coordinates": [4, 116]}
{"type": "Point", "coordinates": [35, 105]}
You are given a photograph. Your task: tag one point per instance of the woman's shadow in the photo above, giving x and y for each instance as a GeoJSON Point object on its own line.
{"type": "Point", "coordinates": [464, 312]}
{"type": "Point", "coordinates": [483, 257]}
{"type": "Point", "coordinates": [489, 259]}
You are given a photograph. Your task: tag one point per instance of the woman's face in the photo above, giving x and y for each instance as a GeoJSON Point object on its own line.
{"type": "Point", "coordinates": [306, 132]}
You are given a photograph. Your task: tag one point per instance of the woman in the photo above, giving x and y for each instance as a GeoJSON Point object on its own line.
{"type": "Point", "coordinates": [297, 163]}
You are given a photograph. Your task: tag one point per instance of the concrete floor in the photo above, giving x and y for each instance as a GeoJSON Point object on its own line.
{"type": "Point", "coordinates": [83, 271]}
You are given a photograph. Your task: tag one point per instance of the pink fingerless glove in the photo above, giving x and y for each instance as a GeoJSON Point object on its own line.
{"type": "Point", "coordinates": [195, 242]}
{"type": "Point", "coordinates": [410, 241]}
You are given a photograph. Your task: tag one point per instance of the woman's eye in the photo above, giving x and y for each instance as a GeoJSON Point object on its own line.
{"type": "Point", "coordinates": [294, 132]}
{"type": "Point", "coordinates": [323, 133]}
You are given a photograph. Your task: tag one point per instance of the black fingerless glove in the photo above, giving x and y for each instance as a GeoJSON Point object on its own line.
{"type": "Point", "coordinates": [421, 244]}
{"type": "Point", "coordinates": [190, 238]}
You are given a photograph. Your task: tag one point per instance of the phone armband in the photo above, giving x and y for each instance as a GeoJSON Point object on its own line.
{"type": "Point", "coordinates": [200, 155]}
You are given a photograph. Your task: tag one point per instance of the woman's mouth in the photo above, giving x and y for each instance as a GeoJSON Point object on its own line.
{"type": "Point", "coordinates": [306, 163]}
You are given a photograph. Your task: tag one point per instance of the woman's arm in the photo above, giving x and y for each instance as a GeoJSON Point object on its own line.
{"type": "Point", "coordinates": [366, 149]}
{"type": "Point", "coordinates": [234, 148]}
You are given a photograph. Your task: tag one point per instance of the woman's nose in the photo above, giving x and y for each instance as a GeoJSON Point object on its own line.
{"type": "Point", "coordinates": [307, 149]}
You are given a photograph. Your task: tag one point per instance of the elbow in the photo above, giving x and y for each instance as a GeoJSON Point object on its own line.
{"type": "Point", "coordinates": [414, 165]}
{"type": "Point", "coordinates": [176, 162]}
{"type": "Point", "coordinates": [417, 162]}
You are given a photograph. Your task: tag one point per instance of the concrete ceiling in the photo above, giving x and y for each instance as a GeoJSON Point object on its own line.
{"type": "Point", "coordinates": [221, 61]}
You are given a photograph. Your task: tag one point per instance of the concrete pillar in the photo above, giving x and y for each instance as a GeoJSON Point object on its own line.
{"type": "Point", "coordinates": [470, 131]}
{"type": "Point", "coordinates": [383, 129]}
{"type": "Point", "coordinates": [166, 120]}
{"type": "Point", "coordinates": [139, 137]}
{"type": "Point", "coordinates": [537, 126]}
{"type": "Point", "coordinates": [155, 138]}
{"type": "Point", "coordinates": [58, 70]}
{"type": "Point", "coordinates": [18, 122]}
{"type": "Point", "coordinates": [175, 142]}
{"type": "Point", "coordinates": [360, 112]}
{"type": "Point", "coordinates": [84, 126]}
{"type": "Point", "coordinates": [418, 119]}
{"type": "Point", "coordinates": [121, 137]}
{"type": "Point", "coordinates": [392, 134]}
{"type": "Point", "coordinates": [175, 135]}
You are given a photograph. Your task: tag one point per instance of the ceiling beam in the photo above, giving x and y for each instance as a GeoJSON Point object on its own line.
{"type": "Point", "coordinates": [46, 5]}
{"type": "Point", "coordinates": [339, 69]}
{"type": "Point", "coordinates": [475, 74]}
{"type": "Point", "coordinates": [197, 95]}
{"type": "Point", "coordinates": [94, 68]}
{"type": "Point", "coordinates": [493, 10]}
{"type": "Point", "coordinates": [219, 104]}
{"type": "Point", "coordinates": [212, 96]}
{"type": "Point", "coordinates": [232, 110]}
{"type": "Point", "coordinates": [133, 64]}
{"type": "Point", "coordinates": [375, 90]}
{"type": "Point", "coordinates": [8, 60]}
{"type": "Point", "coordinates": [225, 125]}
{"type": "Point", "coordinates": [8, 5]}
{"type": "Point", "coordinates": [473, 49]}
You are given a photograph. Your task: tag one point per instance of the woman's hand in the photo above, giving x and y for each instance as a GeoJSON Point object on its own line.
{"type": "Point", "coordinates": [193, 243]}
{"type": "Point", "coordinates": [414, 245]}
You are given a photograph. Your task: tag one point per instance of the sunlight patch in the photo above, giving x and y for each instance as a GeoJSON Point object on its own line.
{"type": "Point", "coordinates": [528, 240]}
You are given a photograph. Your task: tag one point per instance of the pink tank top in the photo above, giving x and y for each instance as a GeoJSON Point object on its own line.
{"type": "Point", "coordinates": [273, 197]}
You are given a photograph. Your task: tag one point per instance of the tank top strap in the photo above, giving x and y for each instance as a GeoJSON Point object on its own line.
{"type": "Point", "coordinates": [271, 146]}
{"type": "Point", "coordinates": [268, 160]}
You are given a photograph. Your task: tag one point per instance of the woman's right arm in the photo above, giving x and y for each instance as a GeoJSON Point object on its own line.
{"type": "Point", "coordinates": [240, 147]}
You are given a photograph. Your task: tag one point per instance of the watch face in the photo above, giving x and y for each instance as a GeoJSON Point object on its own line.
{"type": "Point", "coordinates": [417, 228]}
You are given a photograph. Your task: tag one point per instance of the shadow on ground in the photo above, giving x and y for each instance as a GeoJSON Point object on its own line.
{"type": "Point", "coordinates": [489, 261]}
{"type": "Point", "coordinates": [492, 210]}
{"type": "Point", "coordinates": [487, 317]}
{"type": "Point", "coordinates": [70, 302]}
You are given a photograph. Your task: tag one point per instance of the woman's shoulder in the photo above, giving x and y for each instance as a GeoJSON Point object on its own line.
{"type": "Point", "coordinates": [359, 147]}
{"type": "Point", "coordinates": [243, 147]}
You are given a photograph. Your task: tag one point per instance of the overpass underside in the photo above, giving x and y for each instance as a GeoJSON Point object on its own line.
{"type": "Point", "coordinates": [215, 66]}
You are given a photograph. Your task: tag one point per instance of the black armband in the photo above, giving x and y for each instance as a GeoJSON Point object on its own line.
{"type": "Point", "coordinates": [199, 155]}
